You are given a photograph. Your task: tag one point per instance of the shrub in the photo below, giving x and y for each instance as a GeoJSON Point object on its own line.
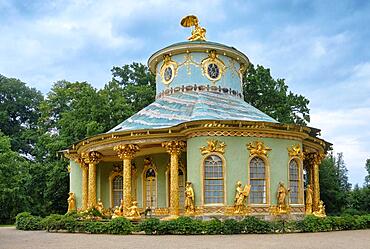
{"type": "Point", "coordinates": [54, 222]}
{"type": "Point", "coordinates": [99, 227]}
{"type": "Point", "coordinates": [312, 223]}
{"type": "Point", "coordinates": [213, 226]}
{"type": "Point", "coordinates": [25, 221]}
{"type": "Point", "coordinates": [252, 224]}
{"type": "Point", "coordinates": [119, 225]}
{"type": "Point", "coordinates": [231, 226]}
{"type": "Point", "coordinates": [149, 226]}
{"type": "Point", "coordinates": [187, 225]}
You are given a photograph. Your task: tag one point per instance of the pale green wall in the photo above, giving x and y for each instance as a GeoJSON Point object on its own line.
{"type": "Point", "coordinates": [75, 182]}
{"type": "Point", "coordinates": [237, 156]}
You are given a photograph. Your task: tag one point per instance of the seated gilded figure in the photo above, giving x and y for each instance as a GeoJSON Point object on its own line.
{"type": "Point", "coordinates": [320, 210]}
{"type": "Point", "coordinates": [133, 212]}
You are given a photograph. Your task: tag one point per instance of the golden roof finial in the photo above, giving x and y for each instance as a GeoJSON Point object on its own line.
{"type": "Point", "coordinates": [198, 33]}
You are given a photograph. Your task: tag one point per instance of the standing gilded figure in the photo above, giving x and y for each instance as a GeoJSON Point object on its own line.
{"type": "Point", "coordinates": [282, 194]}
{"type": "Point", "coordinates": [309, 194]}
{"type": "Point", "coordinates": [240, 197]}
{"type": "Point", "coordinates": [189, 198]}
{"type": "Point", "coordinates": [71, 202]}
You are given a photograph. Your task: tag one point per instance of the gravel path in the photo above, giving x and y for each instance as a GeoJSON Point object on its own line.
{"type": "Point", "coordinates": [10, 238]}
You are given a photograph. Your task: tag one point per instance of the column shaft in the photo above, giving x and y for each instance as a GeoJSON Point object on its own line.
{"type": "Point", "coordinates": [174, 188]}
{"type": "Point", "coordinates": [316, 189]}
{"type": "Point", "coordinates": [127, 181]}
{"type": "Point", "coordinates": [92, 185]}
{"type": "Point", "coordinates": [84, 187]}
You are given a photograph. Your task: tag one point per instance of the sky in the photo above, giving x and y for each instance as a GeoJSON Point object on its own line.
{"type": "Point", "coordinates": [321, 49]}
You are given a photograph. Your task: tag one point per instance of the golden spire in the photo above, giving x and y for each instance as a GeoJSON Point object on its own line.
{"type": "Point", "coordinates": [198, 33]}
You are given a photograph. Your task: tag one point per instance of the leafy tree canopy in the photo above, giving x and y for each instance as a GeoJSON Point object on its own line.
{"type": "Point", "coordinates": [272, 97]}
{"type": "Point", "coordinates": [19, 112]}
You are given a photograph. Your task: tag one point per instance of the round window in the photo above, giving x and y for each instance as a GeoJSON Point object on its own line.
{"type": "Point", "coordinates": [167, 75]}
{"type": "Point", "coordinates": [213, 71]}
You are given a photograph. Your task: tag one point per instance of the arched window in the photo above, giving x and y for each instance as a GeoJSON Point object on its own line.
{"type": "Point", "coordinates": [213, 180]}
{"type": "Point", "coordinates": [117, 190]}
{"type": "Point", "coordinates": [150, 188]}
{"type": "Point", "coordinates": [257, 178]}
{"type": "Point", "coordinates": [294, 181]}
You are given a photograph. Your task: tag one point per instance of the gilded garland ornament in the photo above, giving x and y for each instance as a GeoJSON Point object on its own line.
{"type": "Point", "coordinates": [258, 148]}
{"type": "Point", "coordinates": [213, 146]}
{"type": "Point", "coordinates": [296, 151]}
{"type": "Point", "coordinates": [212, 67]}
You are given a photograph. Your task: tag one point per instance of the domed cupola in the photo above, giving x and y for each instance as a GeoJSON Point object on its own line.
{"type": "Point", "coordinates": [195, 80]}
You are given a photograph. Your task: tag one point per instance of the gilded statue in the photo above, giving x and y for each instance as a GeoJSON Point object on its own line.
{"type": "Point", "coordinates": [71, 202]}
{"type": "Point", "coordinates": [240, 197]}
{"type": "Point", "coordinates": [282, 194]}
{"type": "Point", "coordinates": [198, 33]}
{"type": "Point", "coordinates": [119, 210]}
{"type": "Point", "coordinates": [100, 206]}
{"type": "Point", "coordinates": [189, 198]}
{"type": "Point", "coordinates": [309, 193]}
{"type": "Point", "coordinates": [320, 210]}
{"type": "Point", "coordinates": [133, 212]}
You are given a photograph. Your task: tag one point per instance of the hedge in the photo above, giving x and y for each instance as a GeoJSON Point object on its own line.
{"type": "Point", "coordinates": [187, 225]}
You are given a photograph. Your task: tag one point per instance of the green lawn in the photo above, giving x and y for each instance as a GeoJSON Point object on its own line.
{"type": "Point", "coordinates": [2, 225]}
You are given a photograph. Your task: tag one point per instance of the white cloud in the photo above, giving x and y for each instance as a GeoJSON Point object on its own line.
{"type": "Point", "coordinates": [349, 131]}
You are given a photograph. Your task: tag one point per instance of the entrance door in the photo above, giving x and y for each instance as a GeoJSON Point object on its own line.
{"type": "Point", "coordinates": [151, 188]}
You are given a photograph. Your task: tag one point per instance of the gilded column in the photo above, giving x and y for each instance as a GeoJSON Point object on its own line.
{"type": "Point", "coordinates": [315, 163]}
{"type": "Point", "coordinates": [92, 159]}
{"type": "Point", "coordinates": [174, 148]}
{"type": "Point", "coordinates": [126, 152]}
{"type": "Point", "coordinates": [85, 185]}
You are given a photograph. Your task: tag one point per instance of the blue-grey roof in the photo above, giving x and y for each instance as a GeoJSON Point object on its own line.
{"type": "Point", "coordinates": [177, 108]}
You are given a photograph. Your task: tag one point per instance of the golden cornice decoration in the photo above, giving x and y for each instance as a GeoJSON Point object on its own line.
{"type": "Point", "coordinates": [175, 146]}
{"type": "Point", "coordinates": [126, 151]}
{"type": "Point", "coordinates": [258, 148]}
{"type": "Point", "coordinates": [213, 146]}
{"type": "Point", "coordinates": [296, 151]}
{"type": "Point", "coordinates": [91, 157]}
{"type": "Point", "coordinates": [198, 33]}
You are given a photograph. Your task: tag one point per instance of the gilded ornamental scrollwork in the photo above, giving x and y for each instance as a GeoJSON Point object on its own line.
{"type": "Point", "coordinates": [174, 147]}
{"type": "Point", "coordinates": [126, 151]}
{"type": "Point", "coordinates": [168, 69]}
{"type": "Point", "coordinates": [296, 151]}
{"type": "Point", "coordinates": [212, 67]}
{"type": "Point", "coordinates": [258, 148]}
{"type": "Point", "coordinates": [213, 146]}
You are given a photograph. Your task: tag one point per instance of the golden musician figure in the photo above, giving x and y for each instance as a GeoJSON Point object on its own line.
{"type": "Point", "coordinates": [198, 33]}
{"type": "Point", "coordinates": [240, 197]}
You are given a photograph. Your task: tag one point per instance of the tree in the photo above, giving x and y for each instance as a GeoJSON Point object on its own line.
{"type": "Point", "coordinates": [13, 176]}
{"type": "Point", "coordinates": [138, 84]}
{"type": "Point", "coordinates": [334, 186]}
{"type": "Point", "coordinates": [272, 97]}
{"type": "Point", "coordinates": [19, 112]}
{"type": "Point", "coordinates": [367, 178]}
